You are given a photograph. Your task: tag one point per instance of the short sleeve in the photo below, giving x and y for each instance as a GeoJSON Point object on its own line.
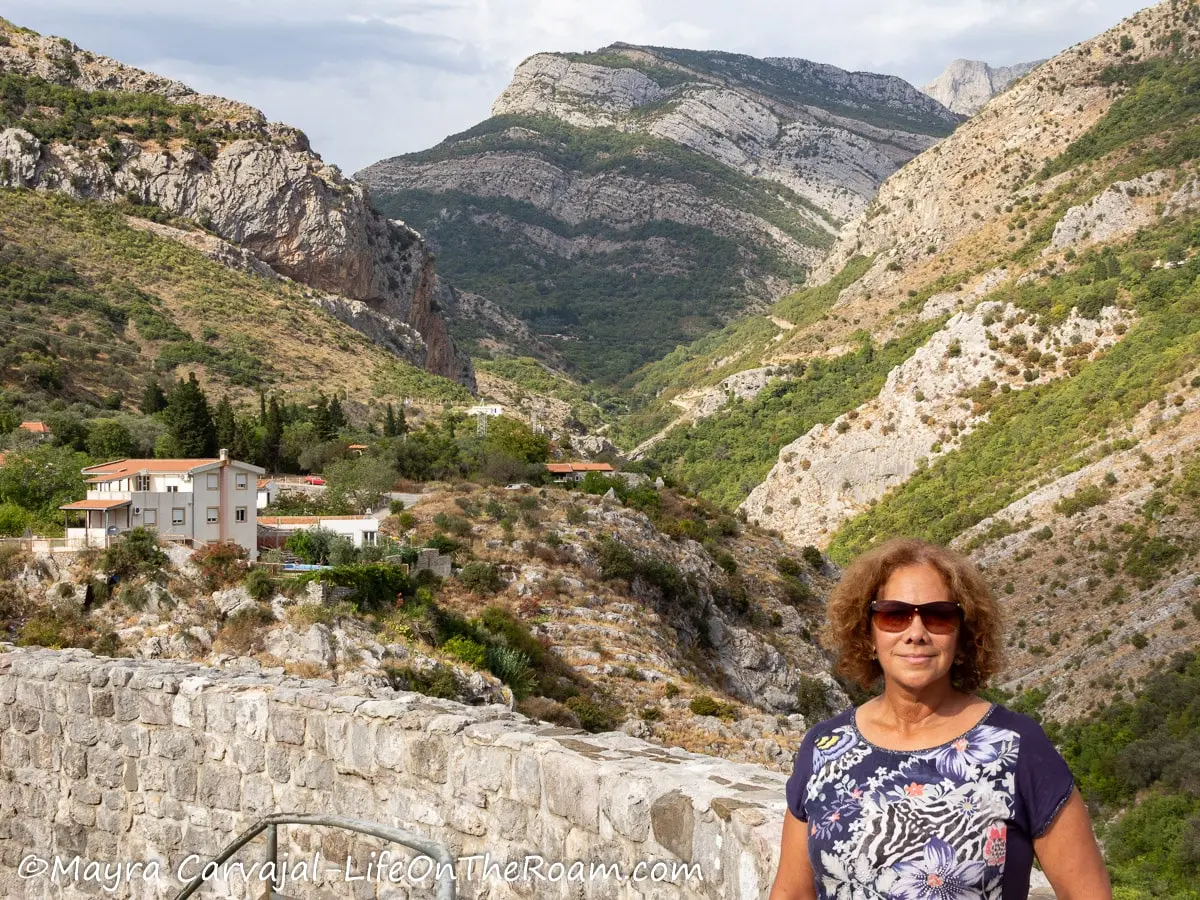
{"type": "Point", "coordinates": [797, 784]}
{"type": "Point", "coordinates": [1044, 781]}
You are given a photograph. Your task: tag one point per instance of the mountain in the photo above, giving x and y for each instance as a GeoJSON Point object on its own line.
{"type": "Point", "coordinates": [624, 201]}
{"type": "Point", "coordinates": [1002, 354]}
{"type": "Point", "coordinates": [246, 191]}
{"type": "Point", "coordinates": [967, 84]}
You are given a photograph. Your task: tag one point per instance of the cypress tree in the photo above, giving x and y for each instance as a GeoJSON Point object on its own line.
{"type": "Point", "coordinates": [272, 436]}
{"type": "Point", "coordinates": [337, 417]}
{"type": "Point", "coordinates": [226, 424]}
{"type": "Point", "coordinates": [189, 421]}
{"type": "Point", "coordinates": [153, 400]}
{"type": "Point", "coordinates": [389, 422]}
{"type": "Point", "coordinates": [321, 420]}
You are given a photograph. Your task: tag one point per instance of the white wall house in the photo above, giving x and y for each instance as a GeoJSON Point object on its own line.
{"type": "Point", "coordinates": [363, 531]}
{"type": "Point", "coordinates": [268, 490]}
{"type": "Point", "coordinates": [194, 501]}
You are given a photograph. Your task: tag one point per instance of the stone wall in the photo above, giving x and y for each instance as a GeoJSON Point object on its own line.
{"type": "Point", "coordinates": [122, 761]}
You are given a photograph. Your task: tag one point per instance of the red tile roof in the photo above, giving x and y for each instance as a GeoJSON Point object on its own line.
{"type": "Point", "coordinates": [122, 468]}
{"type": "Point", "coordinates": [35, 427]}
{"type": "Point", "coordinates": [564, 468]}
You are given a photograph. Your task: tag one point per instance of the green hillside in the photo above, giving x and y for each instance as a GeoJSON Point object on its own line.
{"type": "Point", "coordinates": [644, 289]}
{"type": "Point", "coordinates": [92, 305]}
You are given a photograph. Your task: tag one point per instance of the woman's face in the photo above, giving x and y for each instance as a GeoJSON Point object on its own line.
{"type": "Point", "coordinates": [916, 657]}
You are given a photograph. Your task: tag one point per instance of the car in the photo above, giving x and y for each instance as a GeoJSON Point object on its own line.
{"type": "Point", "coordinates": [313, 479]}
{"type": "Point", "coordinates": [518, 486]}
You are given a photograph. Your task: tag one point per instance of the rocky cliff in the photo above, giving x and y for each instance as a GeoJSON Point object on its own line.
{"type": "Point", "coordinates": [74, 125]}
{"type": "Point", "coordinates": [625, 200]}
{"type": "Point", "coordinates": [967, 84]}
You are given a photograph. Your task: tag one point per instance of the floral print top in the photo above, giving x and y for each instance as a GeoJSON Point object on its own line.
{"type": "Point", "coordinates": [954, 822]}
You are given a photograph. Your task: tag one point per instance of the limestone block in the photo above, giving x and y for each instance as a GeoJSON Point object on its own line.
{"type": "Point", "coordinates": [74, 762]}
{"type": "Point", "coordinates": [673, 821]}
{"type": "Point", "coordinates": [389, 746]}
{"type": "Point", "coordinates": [286, 725]}
{"type": "Point", "coordinates": [626, 803]}
{"type": "Point", "coordinates": [25, 719]}
{"type": "Point", "coordinates": [135, 741]}
{"type": "Point", "coordinates": [102, 703]}
{"type": "Point", "coordinates": [425, 757]}
{"type": "Point", "coordinates": [155, 709]}
{"type": "Point", "coordinates": [181, 780]}
{"type": "Point", "coordinates": [83, 731]}
{"type": "Point", "coordinates": [251, 716]}
{"type": "Point", "coordinates": [219, 786]}
{"type": "Point", "coordinates": [280, 762]}
{"type": "Point", "coordinates": [248, 755]}
{"type": "Point", "coordinates": [572, 790]}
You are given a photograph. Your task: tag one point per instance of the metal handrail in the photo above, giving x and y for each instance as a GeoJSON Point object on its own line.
{"type": "Point", "coordinates": [432, 849]}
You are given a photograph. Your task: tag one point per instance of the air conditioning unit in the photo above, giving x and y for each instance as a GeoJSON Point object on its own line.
{"type": "Point", "coordinates": [187, 476]}
{"type": "Point", "coordinates": [137, 510]}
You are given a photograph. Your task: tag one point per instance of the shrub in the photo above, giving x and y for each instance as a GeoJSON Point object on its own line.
{"type": "Point", "coordinates": [134, 553]}
{"type": "Point", "coordinates": [481, 578]}
{"type": "Point", "coordinates": [435, 681]}
{"type": "Point", "coordinates": [259, 584]}
{"type": "Point", "coordinates": [594, 715]}
{"type": "Point", "coordinates": [242, 632]}
{"type": "Point", "coordinates": [788, 566]}
{"type": "Point", "coordinates": [221, 564]}
{"type": "Point", "coordinates": [812, 699]}
{"type": "Point", "coordinates": [471, 652]}
{"type": "Point", "coordinates": [704, 705]}
{"type": "Point", "coordinates": [395, 507]}
{"type": "Point", "coordinates": [813, 557]}
{"type": "Point", "coordinates": [546, 710]}
{"type": "Point", "coordinates": [512, 667]}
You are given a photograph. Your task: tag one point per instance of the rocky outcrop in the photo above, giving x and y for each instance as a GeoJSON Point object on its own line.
{"type": "Point", "coordinates": [949, 196]}
{"type": "Point", "coordinates": [591, 161]}
{"type": "Point", "coordinates": [261, 189]}
{"type": "Point", "coordinates": [837, 470]}
{"type": "Point", "coordinates": [1116, 212]}
{"type": "Point", "coordinates": [967, 84]}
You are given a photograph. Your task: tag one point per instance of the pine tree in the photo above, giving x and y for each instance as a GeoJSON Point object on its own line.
{"type": "Point", "coordinates": [272, 437]}
{"type": "Point", "coordinates": [153, 400]}
{"type": "Point", "coordinates": [189, 422]}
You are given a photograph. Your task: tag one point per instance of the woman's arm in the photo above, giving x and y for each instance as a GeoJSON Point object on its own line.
{"type": "Point", "coordinates": [1070, 856]}
{"type": "Point", "coordinates": [794, 880]}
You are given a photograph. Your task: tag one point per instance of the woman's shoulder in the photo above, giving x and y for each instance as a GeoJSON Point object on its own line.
{"type": "Point", "coordinates": [1026, 727]}
{"type": "Point", "coordinates": [844, 719]}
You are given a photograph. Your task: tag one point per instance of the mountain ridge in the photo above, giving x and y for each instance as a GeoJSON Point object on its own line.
{"type": "Point", "coordinates": [613, 168]}
{"type": "Point", "coordinates": [93, 128]}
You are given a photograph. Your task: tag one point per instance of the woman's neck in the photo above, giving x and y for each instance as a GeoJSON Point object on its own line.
{"type": "Point", "coordinates": [909, 712]}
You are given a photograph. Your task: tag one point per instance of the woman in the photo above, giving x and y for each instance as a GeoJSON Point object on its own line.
{"type": "Point", "coordinates": [928, 792]}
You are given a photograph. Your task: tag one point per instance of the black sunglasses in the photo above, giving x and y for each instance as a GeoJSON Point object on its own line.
{"type": "Point", "coordinates": [940, 617]}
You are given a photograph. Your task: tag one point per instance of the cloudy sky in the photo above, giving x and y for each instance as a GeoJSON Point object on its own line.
{"type": "Point", "coordinates": [367, 79]}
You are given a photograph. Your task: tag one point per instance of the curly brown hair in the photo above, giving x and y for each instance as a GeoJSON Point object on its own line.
{"type": "Point", "coordinates": [847, 630]}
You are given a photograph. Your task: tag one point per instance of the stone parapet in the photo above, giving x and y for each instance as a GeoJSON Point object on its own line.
{"type": "Point", "coordinates": [126, 761]}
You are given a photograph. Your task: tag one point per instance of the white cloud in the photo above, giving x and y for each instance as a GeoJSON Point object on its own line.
{"type": "Point", "coordinates": [373, 78]}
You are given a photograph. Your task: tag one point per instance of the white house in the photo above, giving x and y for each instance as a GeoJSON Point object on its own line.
{"type": "Point", "coordinates": [363, 531]}
{"type": "Point", "coordinates": [194, 501]}
{"type": "Point", "coordinates": [268, 490]}
{"type": "Point", "coordinates": [492, 409]}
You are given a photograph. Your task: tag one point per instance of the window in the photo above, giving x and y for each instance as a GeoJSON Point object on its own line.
{"type": "Point", "coordinates": [213, 481]}
{"type": "Point", "coordinates": [150, 517]}
{"type": "Point", "coordinates": [369, 538]}
{"type": "Point", "coordinates": [240, 480]}
{"type": "Point", "coordinates": [172, 489]}
{"type": "Point", "coordinates": [177, 515]}
{"type": "Point", "coordinates": [141, 483]}
{"type": "Point", "coordinates": [239, 514]}
{"type": "Point", "coordinates": [212, 515]}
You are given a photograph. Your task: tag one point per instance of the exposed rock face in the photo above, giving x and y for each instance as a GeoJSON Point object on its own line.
{"type": "Point", "coordinates": [967, 84]}
{"type": "Point", "coordinates": [626, 162]}
{"type": "Point", "coordinates": [1114, 213]}
{"type": "Point", "coordinates": [264, 191]}
{"type": "Point", "coordinates": [835, 471]}
{"type": "Point", "coordinates": [948, 195]}
{"type": "Point", "coordinates": [833, 160]}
